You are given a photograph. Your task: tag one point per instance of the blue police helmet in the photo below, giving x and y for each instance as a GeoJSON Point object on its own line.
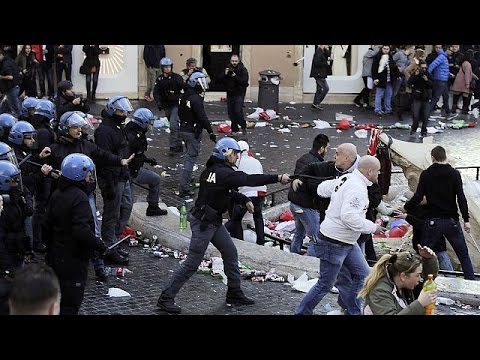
{"type": "Point", "coordinates": [28, 103]}
{"type": "Point", "coordinates": [45, 108]}
{"type": "Point", "coordinates": [198, 78]}
{"type": "Point", "coordinates": [223, 145]}
{"type": "Point", "coordinates": [19, 131]}
{"type": "Point", "coordinates": [118, 103]}
{"type": "Point", "coordinates": [142, 117]}
{"type": "Point", "coordinates": [9, 173]}
{"type": "Point", "coordinates": [6, 123]}
{"type": "Point", "coordinates": [166, 61]}
{"type": "Point", "coordinates": [76, 167]}
{"type": "Point", "coordinates": [7, 153]}
{"type": "Point", "coordinates": [71, 119]}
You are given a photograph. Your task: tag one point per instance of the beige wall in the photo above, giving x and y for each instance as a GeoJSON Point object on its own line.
{"type": "Point", "coordinates": [274, 57]}
{"type": "Point", "coordinates": [179, 54]}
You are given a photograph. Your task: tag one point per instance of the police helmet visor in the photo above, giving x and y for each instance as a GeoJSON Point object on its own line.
{"type": "Point", "coordinates": [27, 137]}
{"type": "Point", "coordinates": [122, 104]}
{"type": "Point", "coordinates": [76, 121]}
{"type": "Point", "coordinates": [11, 157]}
{"type": "Point", "coordinates": [203, 83]}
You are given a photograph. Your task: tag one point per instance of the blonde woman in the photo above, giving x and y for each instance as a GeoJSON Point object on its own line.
{"type": "Point", "coordinates": [389, 288]}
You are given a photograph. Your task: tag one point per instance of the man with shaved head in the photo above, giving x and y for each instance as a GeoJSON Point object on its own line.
{"type": "Point", "coordinates": [337, 245]}
{"type": "Point", "coordinates": [308, 208]}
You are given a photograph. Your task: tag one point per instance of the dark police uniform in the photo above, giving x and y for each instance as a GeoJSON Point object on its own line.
{"type": "Point", "coordinates": [218, 185]}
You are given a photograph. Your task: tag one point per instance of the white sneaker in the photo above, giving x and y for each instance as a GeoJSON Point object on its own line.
{"type": "Point", "coordinates": [336, 312]}
{"type": "Point", "coordinates": [334, 290]}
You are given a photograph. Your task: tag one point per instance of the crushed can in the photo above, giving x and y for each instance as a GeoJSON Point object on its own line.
{"type": "Point", "coordinates": [138, 234]}
{"type": "Point", "coordinates": [133, 242]}
{"type": "Point", "coordinates": [154, 240]}
{"type": "Point", "coordinates": [120, 272]}
{"type": "Point", "coordinates": [385, 220]}
{"type": "Point", "coordinates": [157, 253]}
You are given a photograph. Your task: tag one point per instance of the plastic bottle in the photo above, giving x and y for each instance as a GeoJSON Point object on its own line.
{"type": "Point", "coordinates": [429, 285]}
{"type": "Point", "coordinates": [183, 216]}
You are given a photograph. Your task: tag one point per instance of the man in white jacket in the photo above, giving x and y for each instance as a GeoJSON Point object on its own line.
{"type": "Point", "coordinates": [248, 165]}
{"type": "Point", "coordinates": [337, 245]}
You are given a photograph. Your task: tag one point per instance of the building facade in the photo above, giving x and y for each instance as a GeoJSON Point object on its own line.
{"type": "Point", "coordinates": [123, 71]}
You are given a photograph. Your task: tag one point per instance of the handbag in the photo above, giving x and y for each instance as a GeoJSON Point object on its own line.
{"type": "Point", "coordinates": [84, 69]}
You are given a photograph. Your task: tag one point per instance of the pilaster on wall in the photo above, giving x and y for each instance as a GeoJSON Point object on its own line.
{"type": "Point", "coordinates": [298, 85]}
{"type": "Point", "coordinates": [246, 57]}
{"type": "Point", "coordinates": [142, 73]}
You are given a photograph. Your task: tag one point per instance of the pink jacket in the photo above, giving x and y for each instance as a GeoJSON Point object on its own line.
{"type": "Point", "coordinates": [463, 78]}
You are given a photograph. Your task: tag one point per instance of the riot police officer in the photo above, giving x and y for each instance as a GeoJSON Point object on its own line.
{"type": "Point", "coordinates": [193, 120]}
{"type": "Point", "coordinates": [28, 108]}
{"type": "Point", "coordinates": [6, 122]}
{"type": "Point", "coordinates": [14, 243]}
{"type": "Point", "coordinates": [218, 185]}
{"type": "Point", "coordinates": [143, 119]}
{"type": "Point", "coordinates": [114, 182]}
{"type": "Point", "coordinates": [167, 91]}
{"type": "Point", "coordinates": [69, 223]}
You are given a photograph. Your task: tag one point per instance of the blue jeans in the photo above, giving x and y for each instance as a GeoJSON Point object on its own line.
{"type": "Point", "coordinates": [380, 93]}
{"type": "Point", "coordinates": [172, 115]}
{"type": "Point", "coordinates": [306, 221]}
{"type": "Point", "coordinates": [440, 88]}
{"type": "Point", "coordinates": [444, 262]}
{"type": "Point", "coordinates": [322, 90]}
{"type": "Point", "coordinates": [333, 256]}
{"type": "Point", "coordinates": [193, 149]}
{"type": "Point", "coordinates": [152, 179]}
{"type": "Point", "coordinates": [11, 102]}
{"type": "Point", "coordinates": [435, 229]}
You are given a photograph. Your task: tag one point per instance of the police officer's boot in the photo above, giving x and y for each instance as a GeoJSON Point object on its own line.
{"type": "Point", "coordinates": [101, 274]}
{"type": "Point", "coordinates": [168, 305]}
{"type": "Point", "coordinates": [235, 296]}
{"type": "Point", "coordinates": [154, 210]}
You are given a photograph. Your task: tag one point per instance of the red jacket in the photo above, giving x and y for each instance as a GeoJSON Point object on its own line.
{"type": "Point", "coordinates": [38, 50]}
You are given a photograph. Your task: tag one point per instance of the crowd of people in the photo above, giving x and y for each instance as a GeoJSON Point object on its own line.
{"type": "Point", "coordinates": [50, 167]}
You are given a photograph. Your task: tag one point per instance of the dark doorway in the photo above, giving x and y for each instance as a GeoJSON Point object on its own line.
{"type": "Point", "coordinates": [215, 59]}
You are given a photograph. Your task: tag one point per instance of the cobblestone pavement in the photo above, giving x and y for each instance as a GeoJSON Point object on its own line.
{"type": "Point", "coordinates": [278, 152]}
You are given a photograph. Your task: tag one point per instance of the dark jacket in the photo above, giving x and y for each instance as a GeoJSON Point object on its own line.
{"type": "Point", "coordinates": [70, 227]}
{"type": "Point", "coordinates": [45, 134]}
{"type": "Point", "coordinates": [64, 104]}
{"type": "Point", "coordinates": [91, 56]}
{"type": "Point", "coordinates": [421, 88]}
{"type": "Point", "coordinates": [167, 90]}
{"type": "Point", "coordinates": [63, 54]}
{"type": "Point", "coordinates": [236, 85]}
{"type": "Point", "coordinates": [191, 112]}
{"type": "Point", "coordinates": [218, 187]}
{"type": "Point", "coordinates": [9, 67]}
{"type": "Point", "coordinates": [306, 159]}
{"type": "Point", "coordinates": [66, 146]}
{"type": "Point", "coordinates": [320, 66]}
{"type": "Point", "coordinates": [152, 54]}
{"type": "Point", "coordinates": [382, 76]}
{"type": "Point", "coordinates": [306, 196]}
{"type": "Point", "coordinates": [442, 186]}
{"type": "Point", "coordinates": [111, 136]}
{"type": "Point", "coordinates": [31, 174]}
{"type": "Point", "coordinates": [13, 240]}
{"type": "Point", "coordinates": [137, 141]}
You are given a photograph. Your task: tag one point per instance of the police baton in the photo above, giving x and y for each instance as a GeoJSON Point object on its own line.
{"type": "Point", "coordinates": [40, 165]}
{"type": "Point", "coordinates": [118, 242]}
{"type": "Point", "coordinates": [298, 176]}
{"type": "Point", "coordinates": [24, 159]}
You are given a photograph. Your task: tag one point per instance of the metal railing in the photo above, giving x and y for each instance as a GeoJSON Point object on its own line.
{"type": "Point", "coordinates": [274, 194]}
